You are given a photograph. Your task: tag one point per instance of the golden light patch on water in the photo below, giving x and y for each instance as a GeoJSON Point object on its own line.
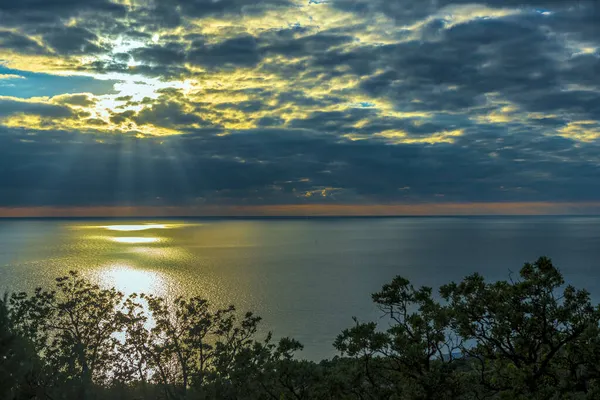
{"type": "Point", "coordinates": [134, 240]}
{"type": "Point", "coordinates": [132, 228]}
{"type": "Point", "coordinates": [129, 280]}
{"type": "Point", "coordinates": [168, 252]}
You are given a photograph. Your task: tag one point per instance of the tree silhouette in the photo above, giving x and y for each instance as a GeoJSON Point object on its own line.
{"type": "Point", "coordinates": [526, 338]}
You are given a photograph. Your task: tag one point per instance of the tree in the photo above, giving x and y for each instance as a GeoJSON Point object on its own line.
{"type": "Point", "coordinates": [11, 371]}
{"type": "Point", "coordinates": [90, 343]}
{"type": "Point", "coordinates": [192, 351]}
{"type": "Point", "coordinates": [532, 338]}
{"type": "Point", "coordinates": [529, 338]}
{"type": "Point", "coordinates": [72, 329]}
{"type": "Point", "coordinates": [415, 357]}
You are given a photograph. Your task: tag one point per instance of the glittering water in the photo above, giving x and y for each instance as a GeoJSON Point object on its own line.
{"type": "Point", "coordinates": [306, 278]}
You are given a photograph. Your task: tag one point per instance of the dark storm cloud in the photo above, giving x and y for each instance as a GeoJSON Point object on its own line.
{"type": "Point", "coordinates": [283, 42]}
{"type": "Point", "coordinates": [202, 8]}
{"type": "Point", "coordinates": [145, 13]}
{"type": "Point", "coordinates": [344, 122]}
{"type": "Point", "coordinates": [410, 11]}
{"type": "Point", "coordinates": [119, 118]}
{"type": "Point", "coordinates": [34, 12]}
{"type": "Point", "coordinates": [71, 40]}
{"type": "Point", "coordinates": [168, 54]}
{"type": "Point", "coordinates": [20, 43]}
{"type": "Point", "coordinates": [331, 119]}
{"type": "Point", "coordinates": [168, 114]}
{"type": "Point", "coordinates": [514, 56]}
{"type": "Point", "coordinates": [169, 71]}
{"type": "Point", "coordinates": [585, 103]}
{"type": "Point", "coordinates": [270, 121]}
{"type": "Point", "coordinates": [170, 57]}
{"type": "Point", "coordinates": [245, 106]}
{"type": "Point", "coordinates": [247, 50]}
{"type": "Point", "coordinates": [303, 99]}
{"type": "Point", "coordinates": [238, 51]}
{"type": "Point", "coordinates": [62, 28]}
{"type": "Point", "coordinates": [280, 166]}
{"type": "Point", "coordinates": [77, 100]}
{"type": "Point", "coordinates": [10, 107]}
{"type": "Point", "coordinates": [56, 6]}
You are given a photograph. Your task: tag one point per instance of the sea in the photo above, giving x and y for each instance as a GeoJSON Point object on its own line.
{"type": "Point", "coordinates": [306, 277]}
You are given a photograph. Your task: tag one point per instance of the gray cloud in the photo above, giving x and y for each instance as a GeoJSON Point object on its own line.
{"type": "Point", "coordinates": [71, 40]}
{"type": "Point", "coordinates": [410, 11]}
{"type": "Point", "coordinates": [20, 43]}
{"type": "Point", "coordinates": [168, 54]}
{"type": "Point", "coordinates": [71, 169]}
{"type": "Point", "coordinates": [36, 12]}
{"type": "Point", "coordinates": [514, 56]}
{"type": "Point", "coordinates": [77, 100]}
{"type": "Point", "coordinates": [169, 114]}
{"type": "Point", "coordinates": [10, 107]}
{"type": "Point", "coordinates": [201, 8]}
{"type": "Point", "coordinates": [239, 51]}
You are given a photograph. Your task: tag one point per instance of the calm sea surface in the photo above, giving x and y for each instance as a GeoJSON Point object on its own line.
{"type": "Point", "coordinates": [305, 277]}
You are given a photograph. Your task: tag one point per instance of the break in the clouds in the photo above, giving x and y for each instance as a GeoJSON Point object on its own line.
{"type": "Point", "coordinates": [284, 102]}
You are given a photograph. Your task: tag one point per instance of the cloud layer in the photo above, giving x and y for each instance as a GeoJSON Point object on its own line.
{"type": "Point", "coordinates": [243, 103]}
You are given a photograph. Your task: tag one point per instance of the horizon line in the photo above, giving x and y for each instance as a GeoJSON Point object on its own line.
{"type": "Point", "coordinates": [294, 217]}
{"type": "Point", "coordinates": [310, 210]}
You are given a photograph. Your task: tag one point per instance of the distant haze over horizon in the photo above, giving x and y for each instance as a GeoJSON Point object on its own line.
{"type": "Point", "coordinates": [299, 107]}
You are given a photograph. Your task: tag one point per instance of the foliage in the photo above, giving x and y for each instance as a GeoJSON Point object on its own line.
{"type": "Point", "coordinates": [529, 338]}
{"type": "Point", "coordinates": [532, 340]}
{"type": "Point", "coordinates": [414, 358]}
{"type": "Point", "coordinates": [93, 343]}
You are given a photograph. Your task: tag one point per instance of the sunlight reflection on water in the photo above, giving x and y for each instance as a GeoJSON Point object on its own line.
{"type": "Point", "coordinates": [134, 240]}
{"type": "Point", "coordinates": [132, 228]}
{"type": "Point", "coordinates": [129, 280]}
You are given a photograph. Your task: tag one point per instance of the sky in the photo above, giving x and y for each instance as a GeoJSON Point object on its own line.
{"type": "Point", "coordinates": [286, 107]}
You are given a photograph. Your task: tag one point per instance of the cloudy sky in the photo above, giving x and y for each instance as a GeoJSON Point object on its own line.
{"type": "Point", "coordinates": [299, 107]}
